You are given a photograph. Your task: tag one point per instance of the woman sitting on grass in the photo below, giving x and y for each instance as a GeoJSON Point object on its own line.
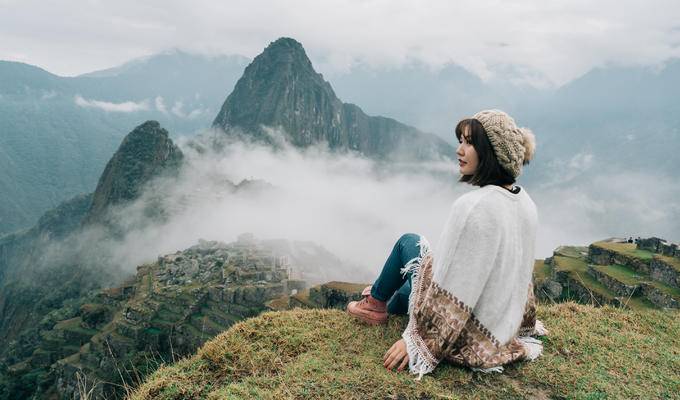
{"type": "Point", "coordinates": [472, 304]}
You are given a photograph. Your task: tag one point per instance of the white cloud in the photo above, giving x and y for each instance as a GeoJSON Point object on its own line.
{"type": "Point", "coordinates": [581, 162]}
{"type": "Point", "coordinates": [600, 205]}
{"type": "Point", "coordinates": [48, 95]}
{"type": "Point", "coordinates": [560, 172]}
{"type": "Point", "coordinates": [545, 42]}
{"type": "Point", "coordinates": [178, 110]}
{"type": "Point", "coordinates": [196, 113]}
{"type": "Point", "coordinates": [125, 107]}
{"type": "Point", "coordinates": [343, 202]}
{"type": "Point", "coordinates": [160, 105]}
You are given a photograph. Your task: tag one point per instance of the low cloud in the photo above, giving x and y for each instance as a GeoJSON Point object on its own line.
{"type": "Point", "coordinates": [351, 206]}
{"type": "Point", "coordinates": [160, 104]}
{"type": "Point", "coordinates": [357, 208]}
{"type": "Point", "coordinates": [124, 107]}
{"type": "Point", "coordinates": [560, 171]}
{"type": "Point", "coordinates": [600, 205]}
{"type": "Point", "coordinates": [48, 95]}
{"type": "Point", "coordinates": [178, 110]}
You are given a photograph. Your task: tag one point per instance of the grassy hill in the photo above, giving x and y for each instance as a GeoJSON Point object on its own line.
{"type": "Point", "coordinates": [195, 302]}
{"type": "Point", "coordinates": [591, 353]}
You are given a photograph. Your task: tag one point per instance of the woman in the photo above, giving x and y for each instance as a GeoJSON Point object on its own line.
{"type": "Point", "coordinates": [472, 304]}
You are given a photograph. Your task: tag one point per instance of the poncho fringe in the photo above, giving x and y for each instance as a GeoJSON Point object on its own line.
{"type": "Point", "coordinates": [425, 362]}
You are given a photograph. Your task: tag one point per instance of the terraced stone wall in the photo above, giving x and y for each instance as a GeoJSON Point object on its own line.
{"type": "Point", "coordinates": [658, 297]}
{"type": "Point", "coordinates": [609, 272]}
{"type": "Point", "coordinates": [616, 286]}
{"type": "Point", "coordinates": [666, 271]}
{"type": "Point", "coordinates": [601, 256]}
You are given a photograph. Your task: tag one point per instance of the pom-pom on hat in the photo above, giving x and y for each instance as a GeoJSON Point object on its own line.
{"type": "Point", "coordinates": [513, 146]}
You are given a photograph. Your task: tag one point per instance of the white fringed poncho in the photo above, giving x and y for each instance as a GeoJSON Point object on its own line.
{"type": "Point", "coordinates": [472, 303]}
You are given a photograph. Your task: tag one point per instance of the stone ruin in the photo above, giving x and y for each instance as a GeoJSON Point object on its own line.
{"type": "Point", "coordinates": [167, 310]}
{"type": "Point", "coordinates": [660, 246]}
{"type": "Point", "coordinates": [613, 271]}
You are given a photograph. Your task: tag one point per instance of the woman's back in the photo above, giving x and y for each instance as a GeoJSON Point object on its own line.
{"type": "Point", "coordinates": [470, 297]}
{"type": "Point", "coordinates": [493, 227]}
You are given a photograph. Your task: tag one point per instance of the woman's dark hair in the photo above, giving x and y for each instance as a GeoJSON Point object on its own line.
{"type": "Point", "coordinates": [489, 170]}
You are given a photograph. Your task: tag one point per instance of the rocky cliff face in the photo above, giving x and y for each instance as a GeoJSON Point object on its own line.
{"type": "Point", "coordinates": [145, 153]}
{"type": "Point", "coordinates": [281, 89]}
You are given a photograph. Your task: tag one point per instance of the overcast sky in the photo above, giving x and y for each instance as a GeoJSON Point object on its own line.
{"type": "Point", "coordinates": [549, 42]}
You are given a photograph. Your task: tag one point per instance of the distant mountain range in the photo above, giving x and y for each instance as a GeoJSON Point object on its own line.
{"type": "Point", "coordinates": [616, 118]}
{"type": "Point", "coordinates": [57, 133]}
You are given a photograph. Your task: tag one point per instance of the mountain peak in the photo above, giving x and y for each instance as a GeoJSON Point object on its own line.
{"type": "Point", "coordinates": [286, 42]}
{"type": "Point", "coordinates": [286, 57]}
{"type": "Point", "coordinates": [281, 89]}
{"type": "Point", "coordinates": [145, 153]}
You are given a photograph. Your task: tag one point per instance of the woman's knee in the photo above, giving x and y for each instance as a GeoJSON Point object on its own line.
{"type": "Point", "coordinates": [409, 239]}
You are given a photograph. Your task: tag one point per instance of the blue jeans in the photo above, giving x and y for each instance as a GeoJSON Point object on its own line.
{"type": "Point", "coordinates": [391, 284]}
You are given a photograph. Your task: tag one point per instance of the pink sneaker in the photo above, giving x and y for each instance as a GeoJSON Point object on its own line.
{"type": "Point", "coordinates": [367, 290]}
{"type": "Point", "coordinates": [369, 310]}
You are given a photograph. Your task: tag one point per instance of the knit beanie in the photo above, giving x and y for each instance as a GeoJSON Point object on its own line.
{"type": "Point", "coordinates": [513, 146]}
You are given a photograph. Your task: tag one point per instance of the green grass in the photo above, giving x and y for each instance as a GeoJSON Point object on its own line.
{"type": "Point", "coordinates": [345, 286]}
{"type": "Point", "coordinates": [318, 354]}
{"type": "Point", "coordinates": [74, 325]}
{"type": "Point", "coordinates": [627, 276]}
{"type": "Point", "coordinates": [279, 303]}
{"type": "Point", "coordinates": [570, 264]}
{"type": "Point", "coordinates": [303, 297]}
{"type": "Point", "coordinates": [577, 269]}
{"type": "Point", "coordinates": [165, 314]}
{"type": "Point", "coordinates": [623, 274]}
{"type": "Point", "coordinates": [152, 331]}
{"type": "Point", "coordinates": [669, 290]}
{"type": "Point", "coordinates": [212, 309]}
{"type": "Point", "coordinates": [638, 303]}
{"type": "Point", "coordinates": [629, 249]}
{"type": "Point", "coordinates": [542, 271]}
{"type": "Point", "coordinates": [204, 323]}
{"type": "Point", "coordinates": [572, 251]}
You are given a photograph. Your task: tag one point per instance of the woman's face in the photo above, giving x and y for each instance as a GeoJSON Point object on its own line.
{"type": "Point", "coordinates": [467, 155]}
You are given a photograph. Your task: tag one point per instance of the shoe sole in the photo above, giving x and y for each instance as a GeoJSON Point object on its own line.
{"type": "Point", "coordinates": [368, 320]}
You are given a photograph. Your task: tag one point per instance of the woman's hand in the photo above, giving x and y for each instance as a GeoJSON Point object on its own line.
{"type": "Point", "coordinates": [396, 356]}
